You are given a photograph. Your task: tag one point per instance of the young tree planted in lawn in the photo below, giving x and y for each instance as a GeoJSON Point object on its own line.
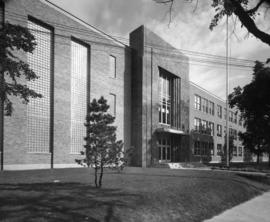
{"type": "Point", "coordinates": [253, 102]}
{"type": "Point", "coordinates": [14, 71]}
{"type": "Point", "coordinates": [102, 147]}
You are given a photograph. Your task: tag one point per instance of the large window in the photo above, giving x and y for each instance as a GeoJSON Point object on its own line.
{"type": "Point", "coordinates": [164, 147]}
{"type": "Point", "coordinates": [165, 99]}
{"type": "Point", "coordinates": [197, 102]}
{"type": "Point", "coordinates": [38, 110]}
{"type": "Point", "coordinates": [219, 111]}
{"type": "Point", "coordinates": [79, 71]}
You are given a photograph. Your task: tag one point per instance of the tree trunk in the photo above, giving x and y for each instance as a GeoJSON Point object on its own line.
{"type": "Point", "coordinates": [268, 157]}
{"type": "Point", "coordinates": [101, 175]}
{"type": "Point", "coordinates": [96, 172]}
{"type": "Point", "coordinates": [258, 158]}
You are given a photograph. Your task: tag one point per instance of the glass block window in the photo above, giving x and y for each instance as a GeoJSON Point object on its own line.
{"type": "Point", "coordinates": [79, 62]}
{"type": "Point", "coordinates": [112, 104]}
{"type": "Point", "coordinates": [112, 66]}
{"type": "Point", "coordinates": [165, 99]}
{"type": "Point", "coordinates": [38, 110]}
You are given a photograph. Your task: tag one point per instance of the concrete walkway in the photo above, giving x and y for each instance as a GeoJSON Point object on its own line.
{"type": "Point", "coordinates": [256, 209]}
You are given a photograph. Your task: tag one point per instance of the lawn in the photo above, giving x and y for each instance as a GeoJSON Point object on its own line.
{"type": "Point", "coordinates": [134, 195]}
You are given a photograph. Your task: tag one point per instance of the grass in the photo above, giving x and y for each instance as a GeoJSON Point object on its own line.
{"type": "Point", "coordinates": [134, 195]}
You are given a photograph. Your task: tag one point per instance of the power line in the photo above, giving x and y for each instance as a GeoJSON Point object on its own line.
{"type": "Point", "coordinates": [158, 47]}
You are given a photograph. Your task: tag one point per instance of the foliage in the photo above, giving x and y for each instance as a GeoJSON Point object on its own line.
{"type": "Point", "coordinates": [15, 38]}
{"type": "Point", "coordinates": [101, 149]}
{"type": "Point", "coordinates": [224, 151]}
{"type": "Point", "coordinates": [253, 102]}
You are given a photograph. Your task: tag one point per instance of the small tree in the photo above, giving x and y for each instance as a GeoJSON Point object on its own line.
{"type": "Point", "coordinates": [101, 147]}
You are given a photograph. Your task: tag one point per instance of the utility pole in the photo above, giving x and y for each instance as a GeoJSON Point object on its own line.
{"type": "Point", "coordinates": [2, 22]}
{"type": "Point", "coordinates": [227, 94]}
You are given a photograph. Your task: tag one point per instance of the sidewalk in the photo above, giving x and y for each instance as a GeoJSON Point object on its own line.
{"type": "Point", "coordinates": [256, 209]}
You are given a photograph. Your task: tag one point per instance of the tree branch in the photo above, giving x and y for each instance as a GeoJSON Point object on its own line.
{"type": "Point", "coordinates": [249, 23]}
{"type": "Point", "coordinates": [253, 10]}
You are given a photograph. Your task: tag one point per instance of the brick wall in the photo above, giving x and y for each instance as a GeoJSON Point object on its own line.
{"type": "Point", "coordinates": [149, 55]}
{"type": "Point", "coordinates": [100, 82]}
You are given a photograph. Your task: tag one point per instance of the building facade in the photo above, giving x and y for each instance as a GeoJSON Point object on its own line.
{"type": "Point", "coordinates": [158, 111]}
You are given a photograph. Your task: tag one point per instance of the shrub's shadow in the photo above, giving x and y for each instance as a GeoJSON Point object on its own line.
{"type": "Point", "coordinates": [62, 202]}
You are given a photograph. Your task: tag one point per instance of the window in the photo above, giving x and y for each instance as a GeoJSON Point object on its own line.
{"type": "Point", "coordinates": [197, 150]}
{"type": "Point", "coordinates": [211, 148]}
{"type": "Point", "coordinates": [203, 126]}
{"type": "Point", "coordinates": [234, 151]}
{"type": "Point", "coordinates": [165, 99]}
{"type": "Point", "coordinates": [240, 151]}
{"type": "Point", "coordinates": [219, 130]}
{"type": "Point", "coordinates": [164, 146]}
{"type": "Point", "coordinates": [225, 113]}
{"type": "Point", "coordinates": [112, 104]}
{"type": "Point", "coordinates": [112, 66]}
{"type": "Point", "coordinates": [197, 102]}
{"type": "Point", "coordinates": [38, 110]}
{"type": "Point", "coordinates": [79, 71]}
{"type": "Point", "coordinates": [231, 114]}
{"type": "Point", "coordinates": [197, 124]}
{"type": "Point", "coordinates": [233, 133]}
{"type": "Point", "coordinates": [219, 111]}
{"type": "Point", "coordinates": [235, 118]}
{"type": "Point", "coordinates": [211, 128]}
{"type": "Point", "coordinates": [205, 105]}
{"type": "Point", "coordinates": [240, 121]}
{"type": "Point", "coordinates": [219, 149]}
{"type": "Point", "coordinates": [211, 108]}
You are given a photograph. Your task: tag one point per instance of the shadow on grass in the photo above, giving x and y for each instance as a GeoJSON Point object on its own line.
{"type": "Point", "coordinates": [62, 202]}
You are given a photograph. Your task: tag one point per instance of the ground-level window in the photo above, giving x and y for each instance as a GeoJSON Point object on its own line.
{"type": "Point", "coordinates": [219, 149]}
{"type": "Point", "coordinates": [240, 151]}
{"type": "Point", "coordinates": [164, 148]}
{"type": "Point", "coordinates": [234, 151]}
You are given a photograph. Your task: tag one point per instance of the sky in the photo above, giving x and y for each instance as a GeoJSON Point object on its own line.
{"type": "Point", "coordinates": [188, 30]}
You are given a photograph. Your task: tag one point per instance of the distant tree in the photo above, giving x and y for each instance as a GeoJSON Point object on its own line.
{"type": "Point", "coordinates": [101, 149]}
{"type": "Point", "coordinates": [253, 102]}
{"type": "Point", "coordinates": [224, 152]}
{"type": "Point", "coordinates": [245, 10]}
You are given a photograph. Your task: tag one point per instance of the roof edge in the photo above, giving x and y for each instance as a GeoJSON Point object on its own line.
{"type": "Point", "coordinates": [77, 19]}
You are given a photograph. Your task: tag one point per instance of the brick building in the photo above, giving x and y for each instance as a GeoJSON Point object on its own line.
{"type": "Point", "coordinates": [146, 84]}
